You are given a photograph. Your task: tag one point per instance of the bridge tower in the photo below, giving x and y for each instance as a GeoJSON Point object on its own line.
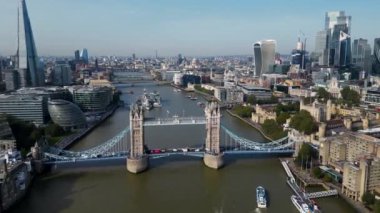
{"type": "Point", "coordinates": [137, 161]}
{"type": "Point", "coordinates": [213, 158]}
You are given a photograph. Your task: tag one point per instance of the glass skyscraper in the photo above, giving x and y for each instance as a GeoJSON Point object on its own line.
{"type": "Point", "coordinates": [28, 64]}
{"type": "Point", "coordinates": [335, 23]}
{"type": "Point", "coordinates": [376, 57]}
{"type": "Point", "coordinates": [265, 52]}
{"type": "Point", "coordinates": [361, 54]}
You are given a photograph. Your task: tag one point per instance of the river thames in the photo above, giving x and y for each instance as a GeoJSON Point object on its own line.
{"type": "Point", "coordinates": [173, 184]}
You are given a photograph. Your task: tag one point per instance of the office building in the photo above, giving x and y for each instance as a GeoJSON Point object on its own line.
{"type": "Point", "coordinates": [344, 49]}
{"type": "Point", "coordinates": [28, 64]}
{"type": "Point", "coordinates": [62, 74]}
{"type": "Point", "coordinates": [51, 93]}
{"type": "Point", "coordinates": [77, 55]}
{"type": "Point", "coordinates": [361, 176]}
{"type": "Point", "coordinates": [264, 52]}
{"type": "Point", "coordinates": [66, 114]}
{"type": "Point", "coordinates": [11, 79]}
{"type": "Point", "coordinates": [335, 23]}
{"type": "Point", "coordinates": [299, 55]}
{"type": "Point", "coordinates": [28, 108]}
{"type": "Point", "coordinates": [361, 54]}
{"type": "Point", "coordinates": [321, 47]}
{"type": "Point", "coordinates": [376, 57]}
{"type": "Point", "coordinates": [92, 99]}
{"type": "Point", "coordinates": [84, 55]}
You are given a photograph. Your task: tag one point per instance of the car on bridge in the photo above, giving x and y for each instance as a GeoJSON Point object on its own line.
{"type": "Point", "coordinates": [155, 151]}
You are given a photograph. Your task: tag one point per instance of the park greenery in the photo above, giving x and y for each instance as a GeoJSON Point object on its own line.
{"type": "Point", "coordinates": [368, 198]}
{"type": "Point", "coordinates": [26, 133]}
{"type": "Point", "coordinates": [305, 156]}
{"type": "Point", "coordinates": [349, 97]}
{"type": "Point", "coordinates": [201, 89]}
{"type": "Point", "coordinates": [243, 111]}
{"type": "Point", "coordinates": [323, 95]}
{"type": "Point", "coordinates": [303, 122]}
{"type": "Point", "coordinates": [273, 130]}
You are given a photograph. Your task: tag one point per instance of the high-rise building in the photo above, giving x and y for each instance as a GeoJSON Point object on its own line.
{"type": "Point", "coordinates": [11, 79]}
{"type": "Point", "coordinates": [77, 55]}
{"type": "Point", "coordinates": [264, 52]}
{"type": "Point", "coordinates": [299, 55]}
{"type": "Point", "coordinates": [28, 64]}
{"type": "Point", "coordinates": [335, 23]}
{"type": "Point", "coordinates": [84, 55]}
{"type": "Point", "coordinates": [376, 57]}
{"type": "Point", "coordinates": [344, 49]}
{"type": "Point", "coordinates": [321, 46]}
{"type": "Point", "coordinates": [361, 54]}
{"type": "Point", "coordinates": [62, 74]}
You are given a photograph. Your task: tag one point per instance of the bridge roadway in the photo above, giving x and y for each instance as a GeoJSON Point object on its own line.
{"type": "Point", "coordinates": [180, 152]}
{"type": "Point", "coordinates": [175, 121]}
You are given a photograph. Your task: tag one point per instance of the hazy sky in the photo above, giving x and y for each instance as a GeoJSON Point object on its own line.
{"type": "Point", "coordinates": [190, 27]}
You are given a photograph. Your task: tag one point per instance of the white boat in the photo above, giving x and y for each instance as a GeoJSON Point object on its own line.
{"type": "Point", "coordinates": [261, 197]}
{"type": "Point", "coordinates": [301, 206]}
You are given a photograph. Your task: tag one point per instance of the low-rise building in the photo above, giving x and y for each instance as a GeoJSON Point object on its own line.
{"type": "Point", "coordinates": [263, 112]}
{"type": "Point", "coordinates": [92, 99]}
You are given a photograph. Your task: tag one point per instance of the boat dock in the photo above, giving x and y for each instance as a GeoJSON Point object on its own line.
{"type": "Point", "coordinates": [298, 191]}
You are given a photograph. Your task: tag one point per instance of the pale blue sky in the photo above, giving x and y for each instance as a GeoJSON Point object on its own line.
{"type": "Point", "coordinates": [190, 27]}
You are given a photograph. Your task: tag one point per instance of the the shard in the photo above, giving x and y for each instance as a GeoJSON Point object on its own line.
{"type": "Point", "coordinates": [28, 64]}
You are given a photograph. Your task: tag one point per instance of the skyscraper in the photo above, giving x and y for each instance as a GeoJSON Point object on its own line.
{"type": "Point", "coordinates": [344, 49]}
{"type": "Point", "coordinates": [361, 54]}
{"type": "Point", "coordinates": [84, 55]}
{"type": "Point", "coordinates": [28, 64]}
{"type": "Point", "coordinates": [62, 74]}
{"type": "Point", "coordinates": [376, 57]}
{"type": "Point", "coordinates": [77, 55]}
{"type": "Point", "coordinates": [265, 52]}
{"type": "Point", "coordinates": [335, 23]}
{"type": "Point", "coordinates": [321, 46]}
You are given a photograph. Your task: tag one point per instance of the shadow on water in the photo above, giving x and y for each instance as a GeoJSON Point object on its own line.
{"type": "Point", "coordinates": [43, 190]}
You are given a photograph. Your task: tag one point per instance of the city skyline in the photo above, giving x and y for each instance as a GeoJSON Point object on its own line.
{"type": "Point", "coordinates": [191, 28]}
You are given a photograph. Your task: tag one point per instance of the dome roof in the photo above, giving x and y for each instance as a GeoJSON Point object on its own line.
{"type": "Point", "coordinates": [66, 114]}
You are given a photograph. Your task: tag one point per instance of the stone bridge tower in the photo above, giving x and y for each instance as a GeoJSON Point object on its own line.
{"type": "Point", "coordinates": [213, 158]}
{"type": "Point", "coordinates": [137, 161]}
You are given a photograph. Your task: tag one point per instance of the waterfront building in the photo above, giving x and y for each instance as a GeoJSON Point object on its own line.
{"type": "Point", "coordinates": [263, 112]}
{"type": "Point", "coordinates": [361, 54]}
{"type": "Point", "coordinates": [62, 74]}
{"type": "Point", "coordinates": [66, 114]}
{"type": "Point", "coordinates": [265, 52]}
{"type": "Point", "coordinates": [47, 92]}
{"type": "Point", "coordinates": [7, 140]}
{"type": "Point", "coordinates": [260, 93]}
{"type": "Point", "coordinates": [28, 64]}
{"type": "Point", "coordinates": [28, 108]}
{"type": "Point", "coordinates": [220, 93]}
{"type": "Point", "coordinates": [234, 95]}
{"type": "Point", "coordinates": [361, 176]}
{"type": "Point", "coordinates": [92, 99]}
{"type": "Point", "coordinates": [376, 57]}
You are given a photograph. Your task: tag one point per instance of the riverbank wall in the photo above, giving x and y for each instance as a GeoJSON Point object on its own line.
{"type": "Point", "coordinates": [72, 139]}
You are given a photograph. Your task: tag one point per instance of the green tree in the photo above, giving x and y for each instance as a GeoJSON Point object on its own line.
{"type": "Point", "coordinates": [243, 111]}
{"type": "Point", "coordinates": [303, 122]}
{"type": "Point", "coordinates": [317, 172]}
{"type": "Point", "coordinates": [282, 117]}
{"type": "Point", "coordinates": [376, 208]}
{"type": "Point", "coordinates": [305, 155]}
{"type": "Point", "coordinates": [251, 100]}
{"type": "Point", "coordinates": [272, 129]}
{"type": "Point", "coordinates": [322, 94]}
{"type": "Point", "coordinates": [350, 97]}
{"type": "Point", "coordinates": [327, 178]}
{"type": "Point", "coordinates": [54, 130]}
{"type": "Point", "coordinates": [368, 198]}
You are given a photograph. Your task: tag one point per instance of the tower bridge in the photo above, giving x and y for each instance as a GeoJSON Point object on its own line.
{"type": "Point", "coordinates": [129, 143]}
